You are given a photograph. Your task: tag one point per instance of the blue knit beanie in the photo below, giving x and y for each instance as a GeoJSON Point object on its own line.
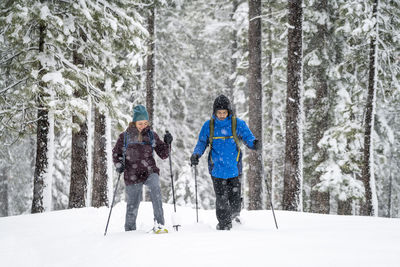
{"type": "Point", "coordinates": [140, 113]}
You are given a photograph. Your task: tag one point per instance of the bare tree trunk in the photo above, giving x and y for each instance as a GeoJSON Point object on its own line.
{"type": "Point", "coordinates": [320, 113]}
{"type": "Point", "coordinates": [270, 106]}
{"type": "Point", "coordinates": [292, 199]}
{"type": "Point", "coordinates": [255, 172]}
{"type": "Point", "coordinates": [79, 164]}
{"type": "Point", "coordinates": [150, 74]}
{"type": "Point", "coordinates": [77, 191]}
{"type": "Point", "coordinates": [42, 132]}
{"type": "Point", "coordinates": [4, 191]}
{"type": "Point", "coordinates": [319, 200]}
{"type": "Point", "coordinates": [150, 64]}
{"type": "Point", "coordinates": [367, 207]}
{"type": "Point", "coordinates": [344, 207]}
{"type": "Point", "coordinates": [389, 212]}
{"type": "Point", "coordinates": [100, 177]}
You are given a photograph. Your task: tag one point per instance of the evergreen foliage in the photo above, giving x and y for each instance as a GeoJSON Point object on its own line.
{"type": "Point", "coordinates": [94, 56]}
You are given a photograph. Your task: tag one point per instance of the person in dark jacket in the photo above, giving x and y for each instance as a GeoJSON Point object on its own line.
{"type": "Point", "coordinates": [133, 154]}
{"type": "Point", "coordinates": [224, 159]}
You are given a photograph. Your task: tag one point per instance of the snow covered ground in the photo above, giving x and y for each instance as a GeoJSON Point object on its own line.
{"type": "Point", "coordinates": [75, 238]}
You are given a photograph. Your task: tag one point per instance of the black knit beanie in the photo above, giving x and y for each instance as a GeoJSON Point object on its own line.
{"type": "Point", "coordinates": [222, 102]}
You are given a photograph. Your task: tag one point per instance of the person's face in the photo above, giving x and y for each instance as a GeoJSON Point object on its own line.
{"type": "Point", "coordinates": [222, 114]}
{"type": "Point", "coordinates": [140, 125]}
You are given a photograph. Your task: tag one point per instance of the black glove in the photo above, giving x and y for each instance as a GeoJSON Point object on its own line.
{"type": "Point", "coordinates": [194, 160]}
{"type": "Point", "coordinates": [168, 138]}
{"type": "Point", "coordinates": [256, 144]}
{"type": "Point", "coordinates": [120, 167]}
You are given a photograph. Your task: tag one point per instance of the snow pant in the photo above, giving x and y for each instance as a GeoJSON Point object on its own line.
{"type": "Point", "coordinates": [228, 199]}
{"type": "Point", "coordinates": [134, 196]}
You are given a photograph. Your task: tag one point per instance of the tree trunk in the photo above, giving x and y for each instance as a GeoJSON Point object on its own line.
{"type": "Point", "coordinates": [292, 199]}
{"type": "Point", "coordinates": [389, 212]}
{"type": "Point", "coordinates": [367, 206]}
{"type": "Point", "coordinates": [42, 132]}
{"type": "Point", "coordinates": [150, 64]}
{"type": "Point", "coordinates": [4, 191]}
{"type": "Point", "coordinates": [100, 177]}
{"type": "Point", "coordinates": [344, 207]}
{"type": "Point", "coordinates": [77, 191]}
{"type": "Point", "coordinates": [79, 168]}
{"type": "Point", "coordinates": [150, 75]}
{"type": "Point", "coordinates": [270, 106]}
{"type": "Point", "coordinates": [255, 172]}
{"type": "Point", "coordinates": [320, 113]}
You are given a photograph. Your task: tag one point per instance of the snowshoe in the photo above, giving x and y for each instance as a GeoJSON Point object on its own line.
{"type": "Point", "coordinates": [224, 227]}
{"type": "Point", "coordinates": [160, 229]}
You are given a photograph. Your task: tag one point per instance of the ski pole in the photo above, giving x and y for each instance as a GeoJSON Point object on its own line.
{"type": "Point", "coordinates": [112, 204]}
{"type": "Point", "coordinates": [268, 192]}
{"type": "Point", "coordinates": [172, 183]}
{"type": "Point", "coordinates": [172, 176]}
{"type": "Point", "coordinates": [119, 176]}
{"type": "Point", "coordinates": [270, 201]}
{"type": "Point", "coordinates": [195, 187]}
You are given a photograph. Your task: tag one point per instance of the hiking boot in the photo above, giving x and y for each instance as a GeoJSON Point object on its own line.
{"type": "Point", "coordinates": [224, 227]}
{"type": "Point", "coordinates": [130, 228]}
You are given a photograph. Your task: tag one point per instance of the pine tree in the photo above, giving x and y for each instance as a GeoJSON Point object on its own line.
{"type": "Point", "coordinates": [191, 72]}
{"type": "Point", "coordinates": [150, 69]}
{"type": "Point", "coordinates": [341, 170]}
{"type": "Point", "coordinates": [119, 35]}
{"type": "Point", "coordinates": [100, 177]}
{"type": "Point", "coordinates": [292, 193]}
{"type": "Point", "coordinates": [318, 62]}
{"type": "Point", "coordinates": [386, 122]}
{"type": "Point", "coordinates": [275, 57]}
{"type": "Point", "coordinates": [103, 24]}
{"type": "Point", "coordinates": [255, 173]}
{"type": "Point", "coordinates": [79, 163]}
{"type": "Point", "coordinates": [368, 175]}
{"type": "Point", "coordinates": [42, 133]}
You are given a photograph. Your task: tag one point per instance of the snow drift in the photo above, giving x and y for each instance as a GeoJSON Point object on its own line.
{"type": "Point", "coordinates": [75, 238]}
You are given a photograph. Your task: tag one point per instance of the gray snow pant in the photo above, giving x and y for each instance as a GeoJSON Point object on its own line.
{"type": "Point", "coordinates": [134, 196]}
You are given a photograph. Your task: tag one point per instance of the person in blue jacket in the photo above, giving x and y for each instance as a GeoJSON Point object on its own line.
{"type": "Point", "coordinates": [223, 133]}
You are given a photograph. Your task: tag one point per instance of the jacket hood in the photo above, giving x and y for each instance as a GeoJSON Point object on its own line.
{"type": "Point", "coordinates": [222, 102]}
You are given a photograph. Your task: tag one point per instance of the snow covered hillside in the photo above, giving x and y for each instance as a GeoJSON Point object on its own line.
{"type": "Point", "coordinates": [75, 238]}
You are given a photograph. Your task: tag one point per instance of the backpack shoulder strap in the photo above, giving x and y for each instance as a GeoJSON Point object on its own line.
{"type": "Point", "coordinates": [126, 137]}
{"type": "Point", "coordinates": [151, 136]}
{"type": "Point", "coordinates": [235, 137]}
{"type": "Point", "coordinates": [211, 135]}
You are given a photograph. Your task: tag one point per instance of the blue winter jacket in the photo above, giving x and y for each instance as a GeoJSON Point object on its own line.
{"type": "Point", "coordinates": [224, 160]}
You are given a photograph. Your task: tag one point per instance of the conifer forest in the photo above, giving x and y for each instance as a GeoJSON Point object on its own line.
{"type": "Point", "coordinates": [317, 82]}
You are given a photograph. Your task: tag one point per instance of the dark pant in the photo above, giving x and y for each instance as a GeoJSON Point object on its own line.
{"type": "Point", "coordinates": [228, 199]}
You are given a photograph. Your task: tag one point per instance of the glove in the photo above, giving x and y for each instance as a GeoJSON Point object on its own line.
{"type": "Point", "coordinates": [256, 145]}
{"type": "Point", "coordinates": [194, 160]}
{"type": "Point", "coordinates": [168, 138]}
{"type": "Point", "coordinates": [120, 167]}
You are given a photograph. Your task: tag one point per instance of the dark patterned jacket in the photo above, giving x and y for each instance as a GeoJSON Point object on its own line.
{"type": "Point", "coordinates": [139, 158]}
